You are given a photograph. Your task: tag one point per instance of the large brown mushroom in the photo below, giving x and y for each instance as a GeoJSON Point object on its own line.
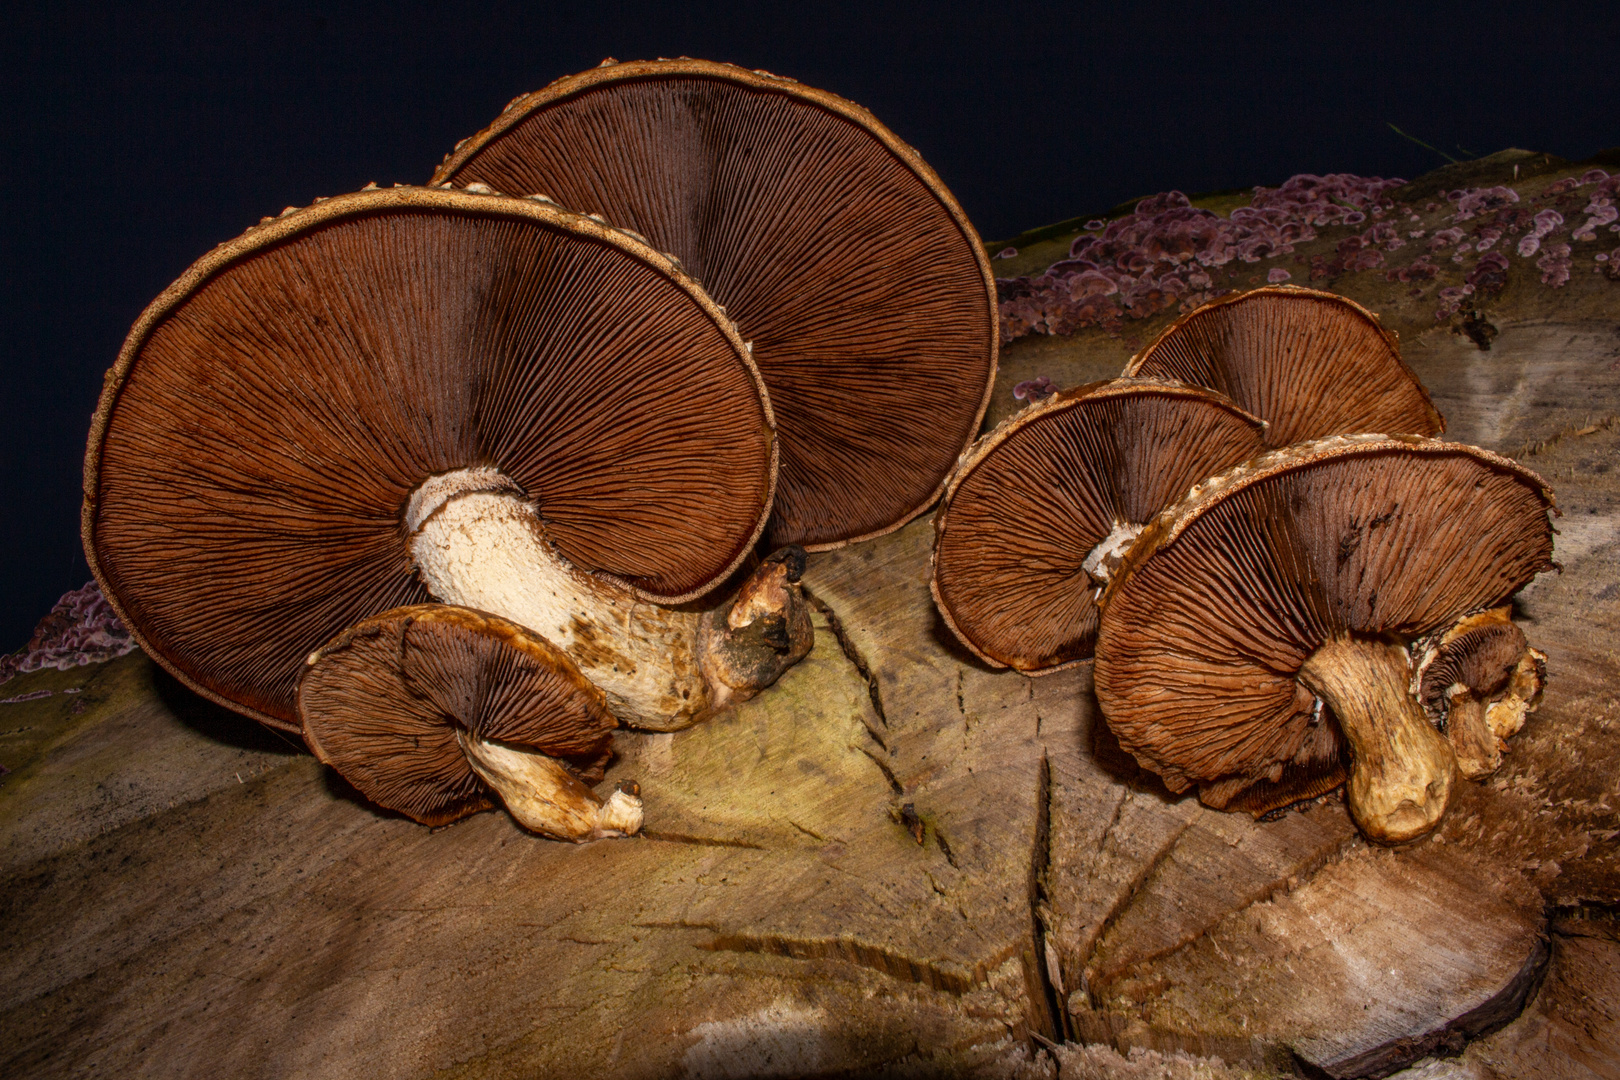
{"type": "Point", "coordinates": [528, 412]}
{"type": "Point", "coordinates": [425, 709]}
{"type": "Point", "coordinates": [1282, 598]}
{"type": "Point", "coordinates": [1309, 363]}
{"type": "Point", "coordinates": [1040, 511]}
{"type": "Point", "coordinates": [861, 286]}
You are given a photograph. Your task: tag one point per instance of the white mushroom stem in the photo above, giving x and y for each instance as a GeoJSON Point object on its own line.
{"type": "Point", "coordinates": [478, 542]}
{"type": "Point", "coordinates": [1105, 558]}
{"type": "Point", "coordinates": [1401, 768]}
{"type": "Point", "coordinates": [545, 797]}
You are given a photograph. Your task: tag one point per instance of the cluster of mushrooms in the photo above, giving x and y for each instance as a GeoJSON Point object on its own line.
{"type": "Point", "coordinates": [1277, 602]}
{"type": "Point", "coordinates": [445, 481]}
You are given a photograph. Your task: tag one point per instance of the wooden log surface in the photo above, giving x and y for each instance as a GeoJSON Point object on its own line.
{"type": "Point", "coordinates": [896, 859]}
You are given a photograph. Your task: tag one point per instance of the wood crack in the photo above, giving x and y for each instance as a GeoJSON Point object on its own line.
{"type": "Point", "coordinates": [1049, 1008]}
{"type": "Point", "coordinates": [888, 773]}
{"type": "Point", "coordinates": [1260, 895]}
{"type": "Point", "coordinates": [1122, 903]}
{"type": "Point", "coordinates": [885, 961]}
{"type": "Point", "coordinates": [852, 653]}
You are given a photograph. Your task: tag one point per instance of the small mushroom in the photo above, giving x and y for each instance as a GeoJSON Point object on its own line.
{"type": "Point", "coordinates": [1040, 511]}
{"type": "Point", "coordinates": [1284, 595]}
{"type": "Point", "coordinates": [1309, 363]}
{"type": "Point", "coordinates": [523, 410]}
{"type": "Point", "coordinates": [425, 709]}
{"type": "Point", "coordinates": [1477, 681]}
{"type": "Point", "coordinates": [856, 276]}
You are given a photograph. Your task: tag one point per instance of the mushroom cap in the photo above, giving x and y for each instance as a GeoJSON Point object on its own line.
{"type": "Point", "coordinates": [1032, 499]}
{"type": "Point", "coordinates": [1309, 363]}
{"type": "Point", "coordinates": [1479, 652]}
{"type": "Point", "coordinates": [271, 413]}
{"type": "Point", "coordinates": [381, 703]}
{"type": "Point", "coordinates": [1226, 595]}
{"type": "Point", "coordinates": [865, 292]}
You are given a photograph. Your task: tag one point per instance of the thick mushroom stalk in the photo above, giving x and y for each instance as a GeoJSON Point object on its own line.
{"type": "Point", "coordinates": [478, 542]}
{"type": "Point", "coordinates": [745, 645]}
{"type": "Point", "coordinates": [1401, 768]}
{"type": "Point", "coordinates": [546, 798]}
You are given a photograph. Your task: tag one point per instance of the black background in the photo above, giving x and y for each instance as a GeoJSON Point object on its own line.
{"type": "Point", "coordinates": [136, 138]}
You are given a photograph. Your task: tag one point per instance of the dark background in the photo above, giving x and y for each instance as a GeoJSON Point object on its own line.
{"type": "Point", "coordinates": [136, 138]}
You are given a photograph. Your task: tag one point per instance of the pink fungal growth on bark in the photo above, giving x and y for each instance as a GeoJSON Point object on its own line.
{"type": "Point", "coordinates": [1277, 275]}
{"type": "Point", "coordinates": [1421, 268]}
{"type": "Point", "coordinates": [1451, 300]}
{"type": "Point", "coordinates": [1034, 389]}
{"type": "Point", "coordinates": [1444, 238]}
{"type": "Point", "coordinates": [1570, 183]}
{"type": "Point", "coordinates": [1005, 253]}
{"type": "Point", "coordinates": [1545, 222]}
{"type": "Point", "coordinates": [1554, 265]}
{"type": "Point", "coordinates": [1489, 275]}
{"type": "Point", "coordinates": [81, 629]}
{"type": "Point", "coordinates": [1602, 213]}
{"type": "Point", "coordinates": [1475, 201]}
{"type": "Point", "coordinates": [1161, 254]}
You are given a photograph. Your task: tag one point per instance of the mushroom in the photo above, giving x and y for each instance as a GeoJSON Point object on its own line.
{"type": "Point", "coordinates": [1309, 363]}
{"type": "Point", "coordinates": [1040, 511]}
{"type": "Point", "coordinates": [1478, 680]}
{"type": "Point", "coordinates": [1283, 597]}
{"type": "Point", "coordinates": [426, 708]}
{"type": "Point", "coordinates": [532, 413]}
{"type": "Point", "coordinates": [864, 291]}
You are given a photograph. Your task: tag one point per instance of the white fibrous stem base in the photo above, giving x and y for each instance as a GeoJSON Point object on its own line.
{"type": "Point", "coordinates": [478, 543]}
{"type": "Point", "coordinates": [1401, 768]}
{"type": "Point", "coordinates": [545, 798]}
{"type": "Point", "coordinates": [1105, 558]}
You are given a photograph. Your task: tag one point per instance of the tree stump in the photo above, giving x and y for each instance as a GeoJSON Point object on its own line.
{"type": "Point", "coordinates": [897, 859]}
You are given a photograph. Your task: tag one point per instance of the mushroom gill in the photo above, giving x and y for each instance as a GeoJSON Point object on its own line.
{"type": "Point", "coordinates": [425, 709]}
{"type": "Point", "coordinates": [1040, 511]}
{"type": "Point", "coordinates": [1286, 594]}
{"type": "Point", "coordinates": [856, 277]}
{"type": "Point", "coordinates": [1309, 363]}
{"type": "Point", "coordinates": [497, 397]}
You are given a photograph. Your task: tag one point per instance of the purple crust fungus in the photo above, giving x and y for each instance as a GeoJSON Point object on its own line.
{"type": "Point", "coordinates": [82, 628]}
{"type": "Point", "coordinates": [1159, 255]}
{"type": "Point", "coordinates": [1035, 389]}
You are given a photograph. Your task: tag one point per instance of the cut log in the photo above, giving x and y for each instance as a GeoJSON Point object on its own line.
{"type": "Point", "coordinates": [895, 859]}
